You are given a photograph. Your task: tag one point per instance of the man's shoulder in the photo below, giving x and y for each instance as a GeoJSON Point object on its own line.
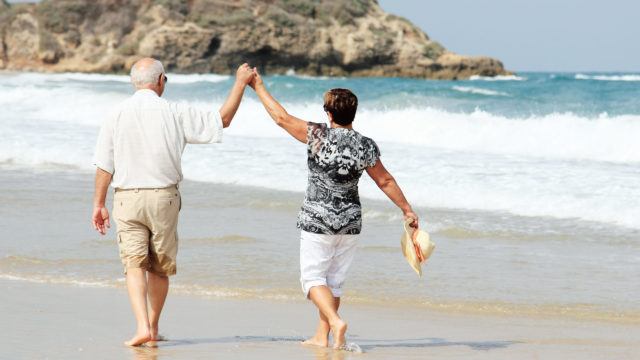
{"type": "Point", "coordinates": [134, 104]}
{"type": "Point", "coordinates": [115, 111]}
{"type": "Point", "coordinates": [177, 109]}
{"type": "Point", "coordinates": [184, 110]}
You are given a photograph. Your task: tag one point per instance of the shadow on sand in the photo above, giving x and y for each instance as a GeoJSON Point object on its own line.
{"type": "Point", "coordinates": [153, 351]}
{"type": "Point", "coordinates": [366, 344]}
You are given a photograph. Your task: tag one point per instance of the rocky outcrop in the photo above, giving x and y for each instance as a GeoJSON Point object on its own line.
{"type": "Point", "coordinates": [314, 37]}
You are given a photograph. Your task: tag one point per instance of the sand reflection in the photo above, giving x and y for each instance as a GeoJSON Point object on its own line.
{"type": "Point", "coordinates": [147, 352]}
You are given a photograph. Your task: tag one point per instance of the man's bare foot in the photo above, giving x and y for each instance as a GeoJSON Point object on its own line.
{"type": "Point", "coordinates": [139, 339]}
{"type": "Point", "coordinates": [316, 342]}
{"type": "Point", "coordinates": [339, 329]}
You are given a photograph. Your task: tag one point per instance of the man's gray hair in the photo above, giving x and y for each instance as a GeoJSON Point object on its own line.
{"type": "Point", "coordinates": [146, 72]}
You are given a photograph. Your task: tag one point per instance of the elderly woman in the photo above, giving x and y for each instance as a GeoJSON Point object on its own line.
{"type": "Point", "coordinates": [330, 218]}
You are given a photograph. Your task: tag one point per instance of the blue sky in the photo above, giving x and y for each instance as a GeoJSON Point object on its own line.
{"type": "Point", "coordinates": [534, 35]}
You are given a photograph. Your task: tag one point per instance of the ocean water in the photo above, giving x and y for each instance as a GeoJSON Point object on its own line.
{"type": "Point", "coordinates": [530, 185]}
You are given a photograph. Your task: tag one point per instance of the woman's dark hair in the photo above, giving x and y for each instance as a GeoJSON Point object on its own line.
{"type": "Point", "coordinates": [342, 104]}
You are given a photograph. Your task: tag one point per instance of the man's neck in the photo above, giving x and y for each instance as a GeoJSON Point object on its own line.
{"type": "Point", "coordinates": [152, 88]}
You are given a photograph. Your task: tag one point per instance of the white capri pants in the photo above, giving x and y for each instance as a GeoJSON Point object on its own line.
{"type": "Point", "coordinates": [325, 260]}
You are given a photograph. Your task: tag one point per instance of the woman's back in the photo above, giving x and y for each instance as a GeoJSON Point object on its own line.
{"type": "Point", "coordinates": [336, 159]}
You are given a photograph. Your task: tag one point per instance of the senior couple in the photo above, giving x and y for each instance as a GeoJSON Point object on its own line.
{"type": "Point", "coordinates": [139, 151]}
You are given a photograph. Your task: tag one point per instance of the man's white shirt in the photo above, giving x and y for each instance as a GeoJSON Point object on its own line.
{"type": "Point", "coordinates": [141, 143]}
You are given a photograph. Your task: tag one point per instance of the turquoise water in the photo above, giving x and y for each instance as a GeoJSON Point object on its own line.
{"type": "Point", "coordinates": [522, 96]}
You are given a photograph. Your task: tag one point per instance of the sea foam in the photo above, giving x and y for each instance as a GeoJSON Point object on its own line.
{"type": "Point", "coordinates": [37, 110]}
{"type": "Point", "coordinates": [559, 164]}
{"type": "Point", "coordinates": [479, 91]}
{"type": "Point", "coordinates": [556, 135]}
{"type": "Point", "coordinates": [628, 77]}
{"type": "Point", "coordinates": [497, 78]}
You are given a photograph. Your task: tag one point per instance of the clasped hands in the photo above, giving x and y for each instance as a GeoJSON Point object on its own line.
{"type": "Point", "coordinates": [248, 75]}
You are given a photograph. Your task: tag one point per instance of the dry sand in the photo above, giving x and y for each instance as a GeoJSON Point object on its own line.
{"type": "Point", "coordinates": [46, 321]}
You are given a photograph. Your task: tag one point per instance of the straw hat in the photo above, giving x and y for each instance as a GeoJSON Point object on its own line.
{"type": "Point", "coordinates": [418, 251]}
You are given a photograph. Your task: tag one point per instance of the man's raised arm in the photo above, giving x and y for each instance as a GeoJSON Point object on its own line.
{"type": "Point", "coordinates": [244, 74]}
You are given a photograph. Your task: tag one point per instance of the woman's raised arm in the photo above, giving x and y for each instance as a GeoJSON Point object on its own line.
{"type": "Point", "coordinates": [294, 126]}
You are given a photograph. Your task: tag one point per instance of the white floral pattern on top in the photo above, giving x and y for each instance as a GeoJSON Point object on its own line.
{"type": "Point", "coordinates": [336, 159]}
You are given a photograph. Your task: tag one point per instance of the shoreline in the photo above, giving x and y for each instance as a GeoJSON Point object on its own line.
{"type": "Point", "coordinates": [542, 312]}
{"type": "Point", "coordinates": [80, 322]}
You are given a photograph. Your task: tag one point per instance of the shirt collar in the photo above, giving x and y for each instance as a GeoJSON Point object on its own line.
{"type": "Point", "coordinates": [145, 92]}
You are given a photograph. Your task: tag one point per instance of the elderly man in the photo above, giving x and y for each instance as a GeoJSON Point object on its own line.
{"type": "Point", "coordinates": [139, 152]}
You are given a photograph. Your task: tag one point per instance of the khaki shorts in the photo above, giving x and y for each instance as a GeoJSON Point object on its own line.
{"type": "Point", "coordinates": [147, 223]}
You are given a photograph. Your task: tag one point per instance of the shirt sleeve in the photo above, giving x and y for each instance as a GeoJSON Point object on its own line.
{"type": "Point", "coordinates": [372, 153]}
{"type": "Point", "coordinates": [200, 127]}
{"type": "Point", "coordinates": [316, 133]}
{"type": "Point", "coordinates": [103, 156]}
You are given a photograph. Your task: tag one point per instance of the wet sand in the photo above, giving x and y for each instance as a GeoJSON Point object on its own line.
{"type": "Point", "coordinates": [241, 242]}
{"type": "Point", "coordinates": [45, 321]}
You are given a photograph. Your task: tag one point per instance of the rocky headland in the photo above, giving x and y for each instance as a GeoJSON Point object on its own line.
{"type": "Point", "coordinates": [313, 37]}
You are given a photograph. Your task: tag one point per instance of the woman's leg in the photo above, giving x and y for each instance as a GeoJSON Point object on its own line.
{"type": "Point", "coordinates": [345, 249]}
{"type": "Point", "coordinates": [316, 252]}
{"type": "Point", "coordinates": [321, 338]}
{"type": "Point", "coordinates": [323, 298]}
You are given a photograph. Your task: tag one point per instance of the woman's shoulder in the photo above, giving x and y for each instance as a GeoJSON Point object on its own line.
{"type": "Point", "coordinates": [369, 150]}
{"type": "Point", "coordinates": [315, 125]}
{"type": "Point", "coordinates": [316, 129]}
{"type": "Point", "coordinates": [365, 140]}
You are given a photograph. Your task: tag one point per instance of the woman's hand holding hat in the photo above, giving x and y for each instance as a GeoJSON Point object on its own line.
{"type": "Point", "coordinates": [410, 215]}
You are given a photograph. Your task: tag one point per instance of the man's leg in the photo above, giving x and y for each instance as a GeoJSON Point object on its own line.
{"type": "Point", "coordinates": [324, 300]}
{"type": "Point", "coordinates": [137, 287]}
{"type": "Point", "coordinates": [321, 338]}
{"type": "Point", "coordinates": [158, 289]}
{"type": "Point", "coordinates": [133, 243]}
{"type": "Point", "coordinates": [164, 207]}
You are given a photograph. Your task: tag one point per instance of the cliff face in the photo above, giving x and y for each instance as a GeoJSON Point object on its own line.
{"type": "Point", "coordinates": [315, 37]}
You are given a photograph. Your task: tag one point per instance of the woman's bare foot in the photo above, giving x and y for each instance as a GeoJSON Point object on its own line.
{"type": "Point", "coordinates": [153, 331]}
{"type": "Point", "coordinates": [339, 329]}
{"type": "Point", "coordinates": [158, 337]}
{"type": "Point", "coordinates": [314, 341]}
{"type": "Point", "coordinates": [139, 338]}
